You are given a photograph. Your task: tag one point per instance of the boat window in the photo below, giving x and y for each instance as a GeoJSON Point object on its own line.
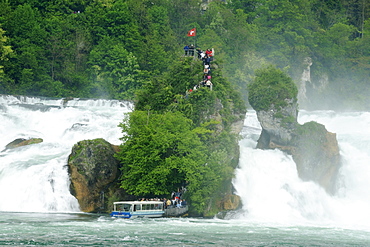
{"type": "Point", "coordinates": [123, 207]}
{"type": "Point", "coordinates": [137, 207]}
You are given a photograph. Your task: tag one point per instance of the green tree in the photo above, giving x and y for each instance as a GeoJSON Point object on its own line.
{"type": "Point", "coordinates": [271, 87]}
{"type": "Point", "coordinates": [29, 66]}
{"type": "Point", "coordinates": [161, 153]}
{"type": "Point", "coordinates": [5, 51]}
{"type": "Point", "coordinates": [115, 71]}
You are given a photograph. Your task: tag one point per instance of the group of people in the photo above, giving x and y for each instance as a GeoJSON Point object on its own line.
{"type": "Point", "coordinates": [189, 50]}
{"type": "Point", "coordinates": [207, 58]}
{"type": "Point", "coordinates": [169, 203]}
{"type": "Point", "coordinates": [175, 201]}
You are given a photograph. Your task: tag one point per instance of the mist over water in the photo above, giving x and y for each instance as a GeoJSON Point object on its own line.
{"type": "Point", "coordinates": [271, 190]}
{"type": "Point", "coordinates": [34, 178]}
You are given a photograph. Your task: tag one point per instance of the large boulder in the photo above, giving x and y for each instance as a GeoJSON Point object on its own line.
{"type": "Point", "coordinates": [316, 153]}
{"type": "Point", "coordinates": [314, 149]}
{"type": "Point", "coordinates": [93, 169]}
{"type": "Point", "coordinates": [278, 124]}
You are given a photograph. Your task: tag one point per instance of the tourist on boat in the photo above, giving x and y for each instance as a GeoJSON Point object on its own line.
{"type": "Point", "coordinates": [178, 193]}
{"type": "Point", "coordinates": [173, 201]}
{"type": "Point", "coordinates": [183, 203]}
{"type": "Point", "coordinates": [168, 203]}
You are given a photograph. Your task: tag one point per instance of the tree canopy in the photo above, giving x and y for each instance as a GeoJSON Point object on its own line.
{"type": "Point", "coordinates": [109, 49]}
{"type": "Point", "coordinates": [271, 87]}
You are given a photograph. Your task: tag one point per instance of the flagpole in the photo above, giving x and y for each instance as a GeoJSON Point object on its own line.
{"type": "Point", "coordinates": [193, 32]}
{"type": "Point", "coordinates": [195, 44]}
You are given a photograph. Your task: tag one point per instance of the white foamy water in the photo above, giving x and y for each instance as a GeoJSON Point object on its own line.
{"type": "Point", "coordinates": [271, 190]}
{"type": "Point", "coordinates": [34, 178]}
{"type": "Point", "coordinates": [279, 209]}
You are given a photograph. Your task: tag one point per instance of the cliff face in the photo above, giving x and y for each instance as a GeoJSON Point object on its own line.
{"type": "Point", "coordinates": [93, 169]}
{"type": "Point", "coordinates": [314, 149]}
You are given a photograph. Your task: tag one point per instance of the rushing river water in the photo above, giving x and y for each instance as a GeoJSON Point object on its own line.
{"type": "Point", "coordinates": [279, 209]}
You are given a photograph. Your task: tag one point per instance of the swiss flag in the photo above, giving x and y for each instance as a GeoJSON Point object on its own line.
{"type": "Point", "coordinates": [192, 32]}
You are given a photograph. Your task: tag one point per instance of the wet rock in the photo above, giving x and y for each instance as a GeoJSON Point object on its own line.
{"type": "Point", "coordinates": [314, 149]}
{"type": "Point", "coordinates": [93, 169]}
{"type": "Point", "coordinates": [22, 142]}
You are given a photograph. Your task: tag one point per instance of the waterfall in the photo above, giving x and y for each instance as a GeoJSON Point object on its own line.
{"type": "Point", "coordinates": [34, 178]}
{"type": "Point", "coordinates": [271, 191]}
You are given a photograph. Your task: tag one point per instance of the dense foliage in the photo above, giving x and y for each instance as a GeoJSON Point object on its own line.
{"type": "Point", "coordinates": [109, 48]}
{"type": "Point", "coordinates": [271, 87]}
{"type": "Point", "coordinates": [176, 139]}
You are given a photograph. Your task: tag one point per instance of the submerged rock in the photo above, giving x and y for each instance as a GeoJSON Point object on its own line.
{"type": "Point", "coordinates": [23, 142]}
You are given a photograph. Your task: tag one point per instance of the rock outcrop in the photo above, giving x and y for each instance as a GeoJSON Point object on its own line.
{"type": "Point", "coordinates": [22, 142]}
{"type": "Point", "coordinates": [277, 125]}
{"type": "Point", "coordinates": [316, 153]}
{"type": "Point", "coordinates": [314, 149]}
{"type": "Point", "coordinates": [93, 171]}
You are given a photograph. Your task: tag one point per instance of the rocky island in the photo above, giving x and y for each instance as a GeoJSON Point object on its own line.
{"type": "Point", "coordinates": [173, 140]}
{"type": "Point", "coordinates": [314, 149]}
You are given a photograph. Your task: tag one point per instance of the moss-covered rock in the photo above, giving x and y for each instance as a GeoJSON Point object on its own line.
{"type": "Point", "coordinates": [93, 172]}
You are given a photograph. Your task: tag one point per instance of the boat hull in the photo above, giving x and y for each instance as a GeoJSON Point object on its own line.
{"type": "Point", "coordinates": [175, 211]}
{"type": "Point", "coordinates": [129, 215]}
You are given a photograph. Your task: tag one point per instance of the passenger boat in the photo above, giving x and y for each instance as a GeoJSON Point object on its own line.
{"type": "Point", "coordinates": [137, 209]}
{"type": "Point", "coordinates": [145, 209]}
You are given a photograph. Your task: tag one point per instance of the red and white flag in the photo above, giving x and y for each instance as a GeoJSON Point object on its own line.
{"type": "Point", "coordinates": [192, 32]}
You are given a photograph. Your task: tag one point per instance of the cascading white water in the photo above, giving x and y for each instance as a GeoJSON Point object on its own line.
{"type": "Point", "coordinates": [34, 178]}
{"type": "Point", "coordinates": [271, 190]}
